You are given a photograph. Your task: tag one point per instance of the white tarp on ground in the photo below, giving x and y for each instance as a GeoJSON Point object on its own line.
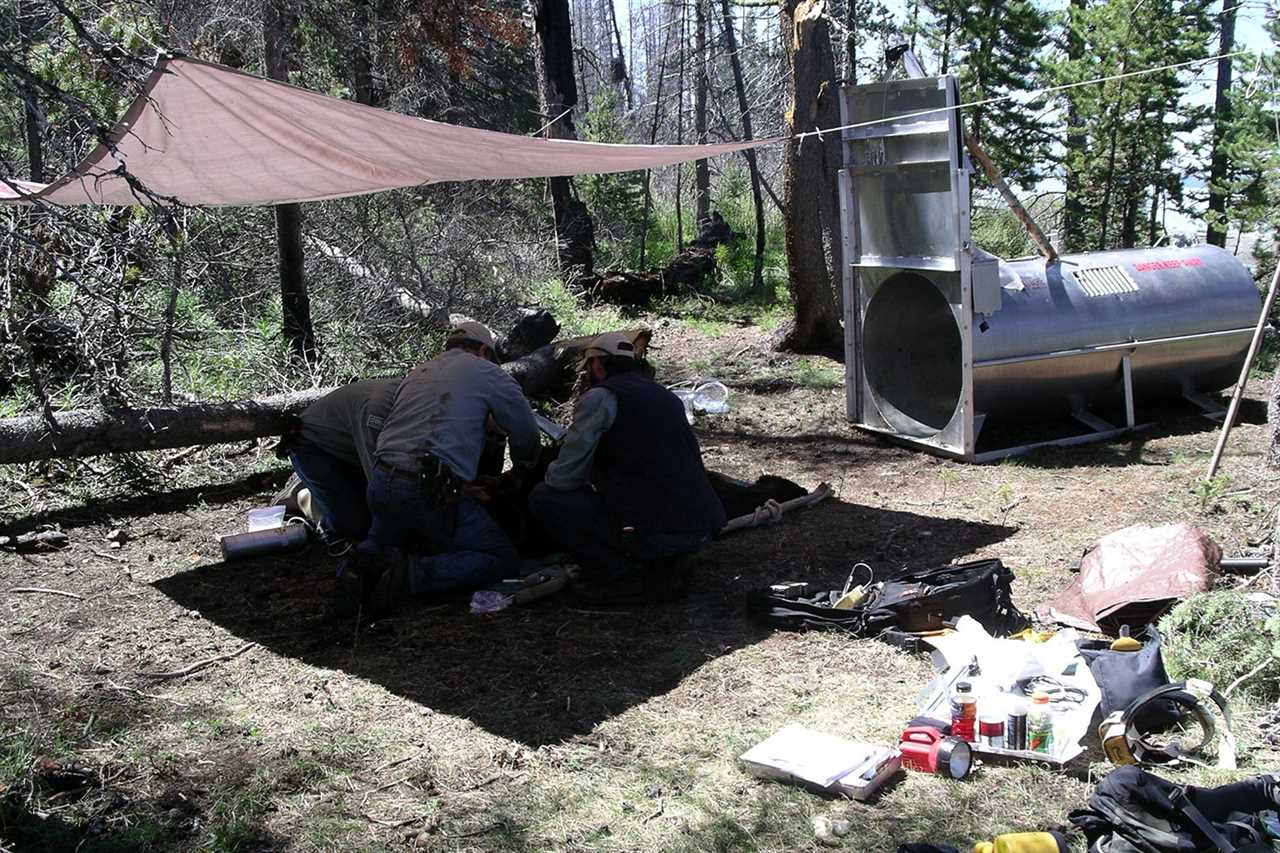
{"type": "Point", "coordinates": [204, 134]}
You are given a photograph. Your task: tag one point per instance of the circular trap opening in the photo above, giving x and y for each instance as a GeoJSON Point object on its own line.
{"type": "Point", "coordinates": [911, 350]}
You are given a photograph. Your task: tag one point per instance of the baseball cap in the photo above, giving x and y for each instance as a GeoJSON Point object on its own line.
{"type": "Point", "coordinates": [470, 330]}
{"type": "Point", "coordinates": [611, 343]}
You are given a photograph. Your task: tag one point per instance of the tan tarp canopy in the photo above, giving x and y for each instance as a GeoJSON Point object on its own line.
{"type": "Point", "coordinates": [204, 134]}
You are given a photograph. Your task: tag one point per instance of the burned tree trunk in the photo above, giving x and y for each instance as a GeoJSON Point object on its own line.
{"type": "Point", "coordinates": [361, 61]}
{"type": "Point", "coordinates": [757, 198]}
{"type": "Point", "coordinates": [30, 99]}
{"type": "Point", "coordinates": [546, 372]}
{"type": "Point", "coordinates": [701, 171]}
{"type": "Point", "coordinates": [558, 95]}
{"type": "Point", "coordinates": [809, 167]}
{"type": "Point", "coordinates": [279, 26]}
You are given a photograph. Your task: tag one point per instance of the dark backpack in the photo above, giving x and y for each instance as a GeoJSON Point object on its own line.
{"type": "Point", "coordinates": [1132, 811]}
{"type": "Point", "coordinates": [1123, 677]}
{"type": "Point", "coordinates": [916, 602]}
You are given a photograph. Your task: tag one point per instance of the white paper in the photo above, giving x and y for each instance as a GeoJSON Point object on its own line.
{"type": "Point", "coordinates": [821, 759]}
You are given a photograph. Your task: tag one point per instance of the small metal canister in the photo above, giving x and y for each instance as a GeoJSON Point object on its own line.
{"type": "Point", "coordinates": [991, 730]}
{"type": "Point", "coordinates": [1015, 728]}
{"type": "Point", "coordinates": [276, 540]}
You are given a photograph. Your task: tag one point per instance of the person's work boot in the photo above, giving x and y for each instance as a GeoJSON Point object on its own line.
{"type": "Point", "coordinates": [669, 578]}
{"type": "Point", "coordinates": [353, 584]}
{"type": "Point", "coordinates": [626, 591]}
{"type": "Point", "coordinates": [392, 586]}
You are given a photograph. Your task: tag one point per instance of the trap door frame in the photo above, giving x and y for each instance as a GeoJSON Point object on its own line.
{"type": "Point", "coordinates": [894, 218]}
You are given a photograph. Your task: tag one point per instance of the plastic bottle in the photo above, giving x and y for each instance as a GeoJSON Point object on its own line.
{"type": "Point", "coordinates": [1024, 842]}
{"type": "Point", "coordinates": [711, 397]}
{"type": "Point", "coordinates": [964, 712]}
{"type": "Point", "coordinates": [1040, 724]}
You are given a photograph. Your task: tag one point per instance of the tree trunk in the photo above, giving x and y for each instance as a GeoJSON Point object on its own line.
{"type": "Point", "coordinates": [548, 371]}
{"type": "Point", "coordinates": [279, 28]}
{"type": "Point", "coordinates": [30, 99]}
{"type": "Point", "coordinates": [89, 432]}
{"type": "Point", "coordinates": [809, 168]}
{"type": "Point", "coordinates": [622, 57]}
{"type": "Point", "coordinates": [653, 137]}
{"type": "Point", "coordinates": [1072, 209]}
{"type": "Point", "coordinates": [361, 63]}
{"type": "Point", "coordinates": [701, 171]}
{"type": "Point", "coordinates": [684, 46]}
{"type": "Point", "coordinates": [1217, 225]}
{"type": "Point", "coordinates": [558, 95]}
{"type": "Point", "coordinates": [757, 198]}
{"type": "Point", "coordinates": [1273, 422]}
{"type": "Point", "coordinates": [1153, 221]}
{"type": "Point", "coordinates": [851, 41]}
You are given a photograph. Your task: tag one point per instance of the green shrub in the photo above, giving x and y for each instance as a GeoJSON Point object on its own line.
{"type": "Point", "coordinates": [1221, 636]}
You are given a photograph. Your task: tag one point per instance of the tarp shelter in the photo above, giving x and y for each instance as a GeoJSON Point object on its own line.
{"type": "Point", "coordinates": [205, 134]}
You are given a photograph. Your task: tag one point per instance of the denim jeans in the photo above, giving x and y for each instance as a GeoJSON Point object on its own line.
{"type": "Point", "coordinates": [578, 524]}
{"type": "Point", "coordinates": [337, 489]}
{"type": "Point", "coordinates": [474, 553]}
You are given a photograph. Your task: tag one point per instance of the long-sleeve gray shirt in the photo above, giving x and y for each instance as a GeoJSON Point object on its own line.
{"type": "Point", "coordinates": [441, 407]}
{"type": "Point", "coordinates": [339, 423]}
{"type": "Point", "coordinates": [593, 415]}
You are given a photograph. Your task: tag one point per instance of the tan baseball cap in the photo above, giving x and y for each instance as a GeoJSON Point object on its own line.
{"type": "Point", "coordinates": [611, 343]}
{"type": "Point", "coordinates": [472, 331]}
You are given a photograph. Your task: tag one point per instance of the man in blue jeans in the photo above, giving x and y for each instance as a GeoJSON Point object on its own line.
{"type": "Point", "coordinates": [628, 496]}
{"type": "Point", "coordinates": [332, 454]}
{"type": "Point", "coordinates": [428, 450]}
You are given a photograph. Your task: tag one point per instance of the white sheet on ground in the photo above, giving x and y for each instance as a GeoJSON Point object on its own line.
{"type": "Point", "coordinates": [1002, 664]}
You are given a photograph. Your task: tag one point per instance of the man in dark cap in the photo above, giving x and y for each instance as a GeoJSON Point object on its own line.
{"type": "Point", "coordinates": [628, 496]}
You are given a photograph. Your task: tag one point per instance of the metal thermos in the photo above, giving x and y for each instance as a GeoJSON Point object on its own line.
{"type": "Point", "coordinates": [277, 540]}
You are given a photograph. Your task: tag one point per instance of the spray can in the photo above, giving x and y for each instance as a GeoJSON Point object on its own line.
{"type": "Point", "coordinates": [1015, 728]}
{"type": "Point", "coordinates": [257, 543]}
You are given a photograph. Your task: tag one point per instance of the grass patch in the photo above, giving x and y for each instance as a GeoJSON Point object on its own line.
{"type": "Point", "coordinates": [575, 316]}
{"type": "Point", "coordinates": [816, 373]}
{"type": "Point", "coordinates": [1220, 636]}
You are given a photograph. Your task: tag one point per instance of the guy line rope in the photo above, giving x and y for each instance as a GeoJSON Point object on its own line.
{"type": "Point", "coordinates": [999, 98]}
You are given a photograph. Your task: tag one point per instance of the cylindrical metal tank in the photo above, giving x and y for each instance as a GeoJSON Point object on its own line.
{"type": "Point", "coordinates": [1183, 315]}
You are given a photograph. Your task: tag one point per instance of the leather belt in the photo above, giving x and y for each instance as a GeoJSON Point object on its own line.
{"type": "Point", "coordinates": [404, 473]}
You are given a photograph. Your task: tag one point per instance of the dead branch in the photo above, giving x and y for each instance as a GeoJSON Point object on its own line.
{"type": "Point", "coordinates": [199, 665]}
{"type": "Point", "coordinates": [40, 589]}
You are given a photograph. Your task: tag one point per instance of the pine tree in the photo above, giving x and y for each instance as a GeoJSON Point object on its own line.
{"type": "Point", "coordinates": [1123, 160]}
{"type": "Point", "coordinates": [995, 48]}
{"type": "Point", "coordinates": [1245, 162]}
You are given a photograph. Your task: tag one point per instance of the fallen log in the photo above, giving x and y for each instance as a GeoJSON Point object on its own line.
{"type": "Point", "coordinates": [547, 372]}
{"type": "Point", "coordinates": [685, 273]}
{"type": "Point", "coordinates": [90, 432]}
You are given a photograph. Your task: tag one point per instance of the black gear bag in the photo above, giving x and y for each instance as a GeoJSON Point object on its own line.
{"type": "Point", "coordinates": [1132, 811]}
{"type": "Point", "coordinates": [915, 602]}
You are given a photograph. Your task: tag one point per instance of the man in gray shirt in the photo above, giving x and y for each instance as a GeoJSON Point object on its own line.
{"type": "Point", "coordinates": [430, 447]}
{"type": "Point", "coordinates": [333, 454]}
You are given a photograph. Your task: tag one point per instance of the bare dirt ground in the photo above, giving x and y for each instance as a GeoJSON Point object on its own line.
{"type": "Point", "coordinates": [550, 727]}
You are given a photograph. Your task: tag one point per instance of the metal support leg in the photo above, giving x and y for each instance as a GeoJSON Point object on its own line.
{"type": "Point", "coordinates": [1126, 367]}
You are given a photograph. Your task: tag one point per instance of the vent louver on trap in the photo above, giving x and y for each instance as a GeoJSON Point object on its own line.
{"type": "Point", "coordinates": [1104, 281]}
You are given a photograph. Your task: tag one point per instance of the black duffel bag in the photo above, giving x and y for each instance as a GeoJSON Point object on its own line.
{"type": "Point", "coordinates": [916, 602]}
{"type": "Point", "coordinates": [1133, 811]}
